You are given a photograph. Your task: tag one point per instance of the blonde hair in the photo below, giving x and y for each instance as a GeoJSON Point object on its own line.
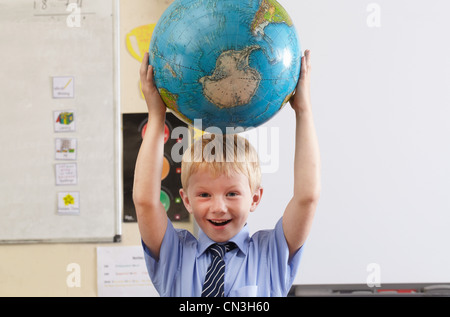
{"type": "Point", "coordinates": [221, 155]}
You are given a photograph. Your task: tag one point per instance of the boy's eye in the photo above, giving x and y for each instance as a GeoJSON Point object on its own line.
{"type": "Point", "coordinates": [232, 194]}
{"type": "Point", "coordinates": [203, 195]}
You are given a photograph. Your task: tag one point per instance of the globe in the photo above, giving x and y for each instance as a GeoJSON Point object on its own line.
{"type": "Point", "coordinates": [231, 63]}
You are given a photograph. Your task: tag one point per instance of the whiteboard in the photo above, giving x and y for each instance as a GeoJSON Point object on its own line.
{"type": "Point", "coordinates": [381, 105]}
{"type": "Point", "coordinates": [59, 57]}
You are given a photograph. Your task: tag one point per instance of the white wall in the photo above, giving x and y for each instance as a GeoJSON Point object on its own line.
{"type": "Point", "coordinates": [381, 106]}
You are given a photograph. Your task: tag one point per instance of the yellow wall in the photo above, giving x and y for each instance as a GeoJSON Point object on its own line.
{"type": "Point", "coordinates": [41, 269]}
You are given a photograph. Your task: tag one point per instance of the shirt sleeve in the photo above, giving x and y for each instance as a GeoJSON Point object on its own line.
{"type": "Point", "coordinates": [283, 269]}
{"type": "Point", "coordinates": [163, 271]}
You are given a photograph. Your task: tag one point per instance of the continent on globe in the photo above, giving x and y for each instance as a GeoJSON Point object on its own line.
{"type": "Point", "coordinates": [170, 101]}
{"type": "Point", "coordinates": [233, 82]}
{"type": "Point", "coordinates": [270, 11]}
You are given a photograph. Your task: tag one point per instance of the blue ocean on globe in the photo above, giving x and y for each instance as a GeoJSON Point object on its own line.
{"type": "Point", "coordinates": [231, 63]}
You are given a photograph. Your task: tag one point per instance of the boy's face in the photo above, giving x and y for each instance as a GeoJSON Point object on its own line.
{"type": "Point", "coordinates": [220, 205]}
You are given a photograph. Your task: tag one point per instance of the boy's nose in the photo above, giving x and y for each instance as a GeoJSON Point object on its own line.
{"type": "Point", "coordinates": [218, 205]}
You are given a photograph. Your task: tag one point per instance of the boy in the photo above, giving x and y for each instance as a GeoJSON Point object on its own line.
{"type": "Point", "coordinates": [225, 260]}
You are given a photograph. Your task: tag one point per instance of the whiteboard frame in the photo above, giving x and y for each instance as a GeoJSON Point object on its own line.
{"type": "Point", "coordinates": [118, 184]}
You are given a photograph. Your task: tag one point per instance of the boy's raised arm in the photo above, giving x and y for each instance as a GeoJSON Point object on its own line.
{"type": "Point", "coordinates": [152, 218]}
{"type": "Point", "coordinates": [299, 213]}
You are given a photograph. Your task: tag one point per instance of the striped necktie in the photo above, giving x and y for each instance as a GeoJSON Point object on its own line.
{"type": "Point", "coordinates": [213, 285]}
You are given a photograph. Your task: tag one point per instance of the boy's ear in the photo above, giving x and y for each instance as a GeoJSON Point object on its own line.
{"type": "Point", "coordinates": [185, 199]}
{"type": "Point", "coordinates": [256, 199]}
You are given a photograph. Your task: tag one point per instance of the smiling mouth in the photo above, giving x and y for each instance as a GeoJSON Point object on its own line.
{"type": "Point", "coordinates": [219, 223]}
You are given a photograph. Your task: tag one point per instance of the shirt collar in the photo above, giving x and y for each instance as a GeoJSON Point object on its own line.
{"type": "Point", "coordinates": [241, 240]}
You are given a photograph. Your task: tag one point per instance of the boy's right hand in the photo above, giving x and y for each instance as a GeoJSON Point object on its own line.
{"type": "Point", "coordinates": [155, 105]}
{"type": "Point", "coordinates": [150, 212]}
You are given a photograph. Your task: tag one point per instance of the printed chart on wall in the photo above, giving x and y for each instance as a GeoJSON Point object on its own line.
{"type": "Point", "coordinates": [59, 128]}
{"type": "Point", "coordinates": [121, 271]}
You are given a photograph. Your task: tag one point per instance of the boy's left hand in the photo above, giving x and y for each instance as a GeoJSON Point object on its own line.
{"type": "Point", "coordinates": [301, 100]}
{"type": "Point", "coordinates": [299, 214]}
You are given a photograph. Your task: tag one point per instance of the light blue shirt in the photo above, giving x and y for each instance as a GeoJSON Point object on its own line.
{"type": "Point", "coordinates": [259, 266]}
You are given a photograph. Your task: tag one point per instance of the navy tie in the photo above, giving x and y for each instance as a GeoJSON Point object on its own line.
{"type": "Point", "coordinates": [213, 285]}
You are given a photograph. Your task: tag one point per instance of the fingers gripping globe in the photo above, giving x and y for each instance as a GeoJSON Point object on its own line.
{"type": "Point", "coordinates": [231, 63]}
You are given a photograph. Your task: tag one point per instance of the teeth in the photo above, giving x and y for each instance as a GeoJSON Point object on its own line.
{"type": "Point", "coordinates": [219, 222]}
